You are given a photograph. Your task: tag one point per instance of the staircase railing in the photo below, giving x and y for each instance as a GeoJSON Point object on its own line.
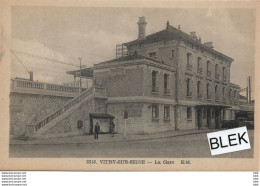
{"type": "Point", "coordinates": [63, 109]}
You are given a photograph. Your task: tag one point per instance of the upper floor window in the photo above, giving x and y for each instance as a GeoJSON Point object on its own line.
{"type": "Point", "coordinates": [208, 68]}
{"type": "Point", "coordinates": [223, 93]}
{"type": "Point", "coordinates": [165, 83]}
{"type": "Point", "coordinates": [173, 53]}
{"type": "Point", "coordinates": [216, 92]}
{"type": "Point", "coordinates": [188, 84]}
{"type": "Point", "coordinates": [216, 71]}
{"type": "Point", "coordinates": [208, 91]}
{"type": "Point", "coordinates": [224, 74]}
{"type": "Point", "coordinates": [189, 66]}
{"type": "Point", "coordinates": [154, 81]}
{"type": "Point", "coordinates": [155, 111]}
{"type": "Point", "coordinates": [198, 89]}
{"type": "Point", "coordinates": [199, 65]}
{"type": "Point", "coordinates": [166, 112]}
{"type": "Point", "coordinates": [189, 113]}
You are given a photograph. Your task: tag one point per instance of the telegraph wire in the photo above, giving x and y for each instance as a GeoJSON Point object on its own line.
{"type": "Point", "coordinates": [20, 61]}
{"type": "Point", "coordinates": [46, 58]}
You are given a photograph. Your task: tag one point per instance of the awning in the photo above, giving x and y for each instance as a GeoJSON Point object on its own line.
{"type": "Point", "coordinates": [214, 106]}
{"type": "Point", "coordinates": [85, 72]}
{"type": "Point", "coordinates": [101, 115]}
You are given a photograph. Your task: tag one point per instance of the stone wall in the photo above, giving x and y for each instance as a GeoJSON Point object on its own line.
{"type": "Point", "coordinates": [28, 109]}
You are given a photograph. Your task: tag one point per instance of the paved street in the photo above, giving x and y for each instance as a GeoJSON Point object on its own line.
{"type": "Point", "coordinates": [188, 146]}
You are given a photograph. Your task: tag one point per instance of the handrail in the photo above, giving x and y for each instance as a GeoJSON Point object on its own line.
{"type": "Point", "coordinates": [63, 109]}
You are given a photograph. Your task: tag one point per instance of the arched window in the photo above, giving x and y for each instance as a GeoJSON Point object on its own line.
{"type": "Point", "coordinates": [223, 93]}
{"type": "Point", "coordinates": [188, 84]}
{"type": "Point", "coordinates": [216, 71]}
{"type": "Point", "coordinates": [198, 89]}
{"type": "Point", "coordinates": [208, 68]}
{"type": "Point", "coordinates": [216, 92]}
{"type": "Point", "coordinates": [224, 74]}
{"type": "Point", "coordinates": [208, 94]}
{"type": "Point", "coordinates": [188, 61]}
{"type": "Point", "coordinates": [154, 79]}
{"type": "Point", "coordinates": [165, 83]}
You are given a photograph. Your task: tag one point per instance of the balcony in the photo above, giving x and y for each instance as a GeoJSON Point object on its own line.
{"type": "Point", "coordinates": [189, 95]}
{"type": "Point", "coordinates": [166, 91]}
{"type": "Point", "coordinates": [216, 98]}
{"type": "Point", "coordinates": [209, 73]}
{"type": "Point", "coordinates": [224, 99]}
{"type": "Point", "coordinates": [224, 78]}
{"type": "Point", "coordinates": [189, 67]}
{"type": "Point", "coordinates": [217, 76]}
{"type": "Point", "coordinates": [208, 97]}
{"type": "Point", "coordinates": [199, 70]}
{"type": "Point", "coordinates": [34, 87]}
{"type": "Point", "coordinates": [155, 89]}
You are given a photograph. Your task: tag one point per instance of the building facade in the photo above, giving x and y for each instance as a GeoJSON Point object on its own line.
{"type": "Point", "coordinates": [169, 81]}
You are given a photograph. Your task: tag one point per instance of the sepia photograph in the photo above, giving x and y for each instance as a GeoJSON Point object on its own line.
{"type": "Point", "coordinates": [89, 86]}
{"type": "Point", "coordinates": [129, 82]}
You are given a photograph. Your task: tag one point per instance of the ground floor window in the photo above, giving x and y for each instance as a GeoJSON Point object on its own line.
{"type": "Point", "coordinates": [224, 114]}
{"type": "Point", "coordinates": [212, 113]}
{"type": "Point", "coordinates": [166, 112]}
{"type": "Point", "coordinates": [155, 111]}
{"type": "Point", "coordinates": [189, 113]}
{"type": "Point", "coordinates": [204, 113]}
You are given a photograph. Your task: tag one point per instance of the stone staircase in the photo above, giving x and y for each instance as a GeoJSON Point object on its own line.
{"type": "Point", "coordinates": [64, 111]}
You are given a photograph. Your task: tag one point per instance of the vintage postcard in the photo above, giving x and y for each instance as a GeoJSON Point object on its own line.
{"type": "Point", "coordinates": [110, 86]}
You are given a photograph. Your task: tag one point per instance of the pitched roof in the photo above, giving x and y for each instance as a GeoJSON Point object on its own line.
{"type": "Point", "coordinates": [172, 33]}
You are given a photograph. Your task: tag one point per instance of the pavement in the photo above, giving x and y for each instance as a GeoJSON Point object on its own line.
{"type": "Point", "coordinates": [107, 138]}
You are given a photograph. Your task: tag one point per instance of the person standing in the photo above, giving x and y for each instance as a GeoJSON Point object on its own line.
{"type": "Point", "coordinates": [112, 128]}
{"type": "Point", "coordinates": [96, 129]}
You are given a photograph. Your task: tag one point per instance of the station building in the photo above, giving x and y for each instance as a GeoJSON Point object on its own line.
{"type": "Point", "coordinates": [166, 81]}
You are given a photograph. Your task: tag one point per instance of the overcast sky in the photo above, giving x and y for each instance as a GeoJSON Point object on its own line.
{"type": "Point", "coordinates": [66, 33]}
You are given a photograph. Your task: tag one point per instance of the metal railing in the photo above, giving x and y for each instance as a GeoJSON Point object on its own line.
{"type": "Point", "coordinates": [217, 76]}
{"type": "Point", "coordinates": [208, 73]}
{"type": "Point", "coordinates": [199, 70]}
{"type": "Point", "coordinates": [63, 109]}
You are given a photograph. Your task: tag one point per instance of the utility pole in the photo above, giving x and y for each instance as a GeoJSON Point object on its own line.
{"type": "Point", "coordinates": [80, 86]}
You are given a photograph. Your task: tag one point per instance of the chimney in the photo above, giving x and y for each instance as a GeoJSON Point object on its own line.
{"type": "Point", "coordinates": [167, 24]}
{"type": "Point", "coordinates": [141, 26]}
{"type": "Point", "coordinates": [31, 75]}
{"type": "Point", "coordinates": [193, 35]}
{"type": "Point", "coordinates": [179, 27]}
{"type": "Point", "coordinates": [209, 44]}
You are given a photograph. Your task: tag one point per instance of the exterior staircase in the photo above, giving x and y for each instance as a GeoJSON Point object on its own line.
{"type": "Point", "coordinates": [61, 113]}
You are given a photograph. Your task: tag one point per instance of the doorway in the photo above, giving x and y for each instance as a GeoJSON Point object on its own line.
{"type": "Point", "coordinates": [199, 118]}
{"type": "Point", "coordinates": [208, 118]}
{"type": "Point", "coordinates": [217, 118]}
